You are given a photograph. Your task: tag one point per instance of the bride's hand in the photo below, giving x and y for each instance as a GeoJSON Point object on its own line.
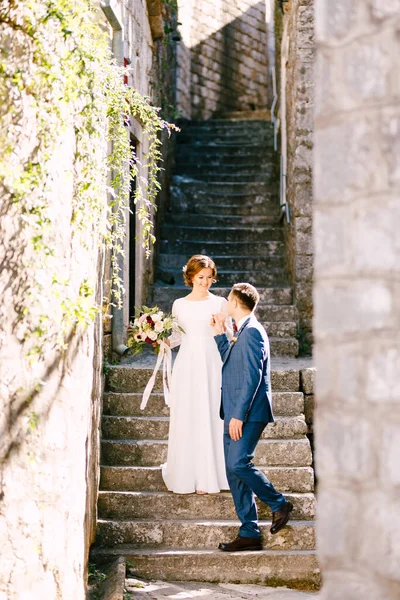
{"type": "Point", "coordinates": [220, 318]}
{"type": "Point", "coordinates": [217, 324]}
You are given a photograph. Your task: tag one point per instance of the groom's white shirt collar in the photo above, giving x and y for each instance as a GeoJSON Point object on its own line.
{"type": "Point", "coordinates": [241, 322]}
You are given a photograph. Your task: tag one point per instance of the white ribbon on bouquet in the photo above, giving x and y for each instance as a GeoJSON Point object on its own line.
{"type": "Point", "coordinates": [164, 357]}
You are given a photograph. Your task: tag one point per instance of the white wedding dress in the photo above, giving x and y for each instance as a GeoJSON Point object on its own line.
{"type": "Point", "coordinates": [195, 447]}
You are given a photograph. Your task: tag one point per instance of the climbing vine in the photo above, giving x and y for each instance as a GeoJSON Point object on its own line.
{"type": "Point", "coordinates": [57, 76]}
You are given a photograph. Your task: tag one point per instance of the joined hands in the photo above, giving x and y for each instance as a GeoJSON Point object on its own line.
{"type": "Point", "coordinates": [218, 323]}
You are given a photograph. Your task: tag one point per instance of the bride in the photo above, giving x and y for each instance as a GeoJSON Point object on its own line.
{"type": "Point", "coordinates": [195, 461]}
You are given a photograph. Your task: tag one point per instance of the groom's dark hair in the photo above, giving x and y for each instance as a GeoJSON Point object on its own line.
{"type": "Point", "coordinates": [246, 294]}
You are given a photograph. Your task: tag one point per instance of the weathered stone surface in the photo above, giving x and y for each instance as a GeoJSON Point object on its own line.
{"type": "Point", "coordinates": [198, 534]}
{"type": "Point", "coordinates": [113, 585]}
{"type": "Point", "coordinates": [154, 452]}
{"type": "Point", "coordinates": [357, 423]}
{"type": "Point", "coordinates": [285, 381]}
{"type": "Point", "coordinates": [228, 68]}
{"type": "Point", "coordinates": [222, 591]}
{"type": "Point", "coordinates": [284, 347]}
{"type": "Point", "coordinates": [156, 428]}
{"type": "Point", "coordinates": [300, 106]}
{"type": "Point", "coordinates": [134, 479]}
{"type": "Point", "coordinates": [144, 505]}
{"type": "Point", "coordinates": [298, 569]}
{"type": "Point", "coordinates": [128, 404]}
{"type": "Point", "coordinates": [309, 404]}
{"type": "Point", "coordinates": [307, 379]}
{"type": "Point", "coordinates": [128, 378]}
{"type": "Point", "coordinates": [165, 296]}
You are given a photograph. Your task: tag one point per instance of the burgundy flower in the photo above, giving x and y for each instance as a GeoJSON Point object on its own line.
{"type": "Point", "coordinates": [150, 321]}
{"type": "Point", "coordinates": [148, 340]}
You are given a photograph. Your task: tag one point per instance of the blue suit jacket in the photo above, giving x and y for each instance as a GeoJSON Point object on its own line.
{"type": "Point", "coordinates": [246, 374]}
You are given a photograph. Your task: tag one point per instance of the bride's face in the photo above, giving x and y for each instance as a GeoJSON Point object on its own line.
{"type": "Point", "coordinates": [203, 280]}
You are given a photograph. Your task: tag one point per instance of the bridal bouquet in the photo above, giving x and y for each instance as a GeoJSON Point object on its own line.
{"type": "Point", "coordinates": [152, 326]}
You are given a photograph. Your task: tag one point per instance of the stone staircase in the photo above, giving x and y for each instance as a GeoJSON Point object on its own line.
{"type": "Point", "coordinates": [225, 203]}
{"type": "Point", "coordinates": [175, 537]}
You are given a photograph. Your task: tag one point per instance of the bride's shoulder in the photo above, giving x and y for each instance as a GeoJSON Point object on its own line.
{"type": "Point", "coordinates": [219, 300]}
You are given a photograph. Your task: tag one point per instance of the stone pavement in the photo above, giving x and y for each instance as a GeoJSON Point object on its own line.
{"type": "Point", "coordinates": [141, 590]}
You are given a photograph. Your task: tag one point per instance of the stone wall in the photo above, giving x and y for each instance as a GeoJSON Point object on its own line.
{"type": "Point", "coordinates": [223, 57]}
{"type": "Point", "coordinates": [50, 409]}
{"type": "Point", "coordinates": [298, 38]}
{"type": "Point", "coordinates": [356, 295]}
{"type": "Point", "coordinates": [143, 39]}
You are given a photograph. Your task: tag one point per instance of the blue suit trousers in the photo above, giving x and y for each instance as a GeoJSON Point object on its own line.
{"type": "Point", "coordinates": [245, 481]}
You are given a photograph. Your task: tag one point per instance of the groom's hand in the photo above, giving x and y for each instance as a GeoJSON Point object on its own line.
{"type": "Point", "coordinates": [235, 429]}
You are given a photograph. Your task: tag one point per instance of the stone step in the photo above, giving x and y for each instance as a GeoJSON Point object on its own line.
{"type": "Point", "coordinates": [284, 346]}
{"type": "Point", "coordinates": [213, 248]}
{"type": "Point", "coordinates": [134, 373]}
{"type": "Point", "coordinates": [166, 295]}
{"type": "Point", "coordinates": [223, 188]}
{"type": "Point", "coordinates": [287, 452]}
{"type": "Point", "coordinates": [280, 329]}
{"type": "Point", "coordinates": [240, 167]}
{"type": "Point", "coordinates": [286, 404]}
{"type": "Point", "coordinates": [134, 479]}
{"type": "Point", "coordinates": [231, 177]}
{"type": "Point", "coordinates": [256, 156]}
{"type": "Point", "coordinates": [248, 234]}
{"type": "Point", "coordinates": [195, 534]}
{"type": "Point", "coordinates": [164, 505]}
{"type": "Point", "coordinates": [243, 233]}
{"type": "Point", "coordinates": [227, 125]}
{"type": "Point", "coordinates": [221, 135]}
{"type": "Point", "coordinates": [272, 276]}
{"type": "Point", "coordinates": [186, 193]}
{"type": "Point", "coordinates": [203, 220]}
{"type": "Point", "coordinates": [273, 258]}
{"type": "Point", "coordinates": [271, 313]}
{"type": "Point", "coordinates": [208, 205]}
{"type": "Point", "coordinates": [156, 428]}
{"type": "Point", "coordinates": [210, 140]}
{"type": "Point", "coordinates": [295, 569]}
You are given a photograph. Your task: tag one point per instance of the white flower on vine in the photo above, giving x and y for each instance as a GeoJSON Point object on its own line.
{"type": "Point", "coordinates": [157, 316]}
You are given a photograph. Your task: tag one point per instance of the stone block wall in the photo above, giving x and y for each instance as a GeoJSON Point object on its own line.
{"type": "Point", "coordinates": [50, 409]}
{"type": "Point", "coordinates": [356, 296]}
{"type": "Point", "coordinates": [299, 33]}
{"type": "Point", "coordinates": [145, 41]}
{"type": "Point", "coordinates": [223, 56]}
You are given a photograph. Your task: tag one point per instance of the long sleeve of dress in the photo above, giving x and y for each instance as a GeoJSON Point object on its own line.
{"type": "Point", "coordinates": [176, 337]}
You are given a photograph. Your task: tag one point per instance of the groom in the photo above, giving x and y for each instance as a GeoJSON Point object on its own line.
{"type": "Point", "coordinates": [246, 410]}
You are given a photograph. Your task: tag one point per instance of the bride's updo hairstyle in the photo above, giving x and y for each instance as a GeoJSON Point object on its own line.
{"type": "Point", "coordinates": [195, 265]}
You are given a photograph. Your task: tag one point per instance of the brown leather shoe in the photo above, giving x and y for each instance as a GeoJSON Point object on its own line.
{"type": "Point", "coordinates": [280, 518]}
{"type": "Point", "coordinates": [241, 544]}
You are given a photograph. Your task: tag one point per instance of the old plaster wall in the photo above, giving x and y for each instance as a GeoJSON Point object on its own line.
{"type": "Point", "coordinates": [296, 74]}
{"type": "Point", "coordinates": [356, 296]}
{"type": "Point", "coordinates": [223, 57]}
{"type": "Point", "coordinates": [49, 410]}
